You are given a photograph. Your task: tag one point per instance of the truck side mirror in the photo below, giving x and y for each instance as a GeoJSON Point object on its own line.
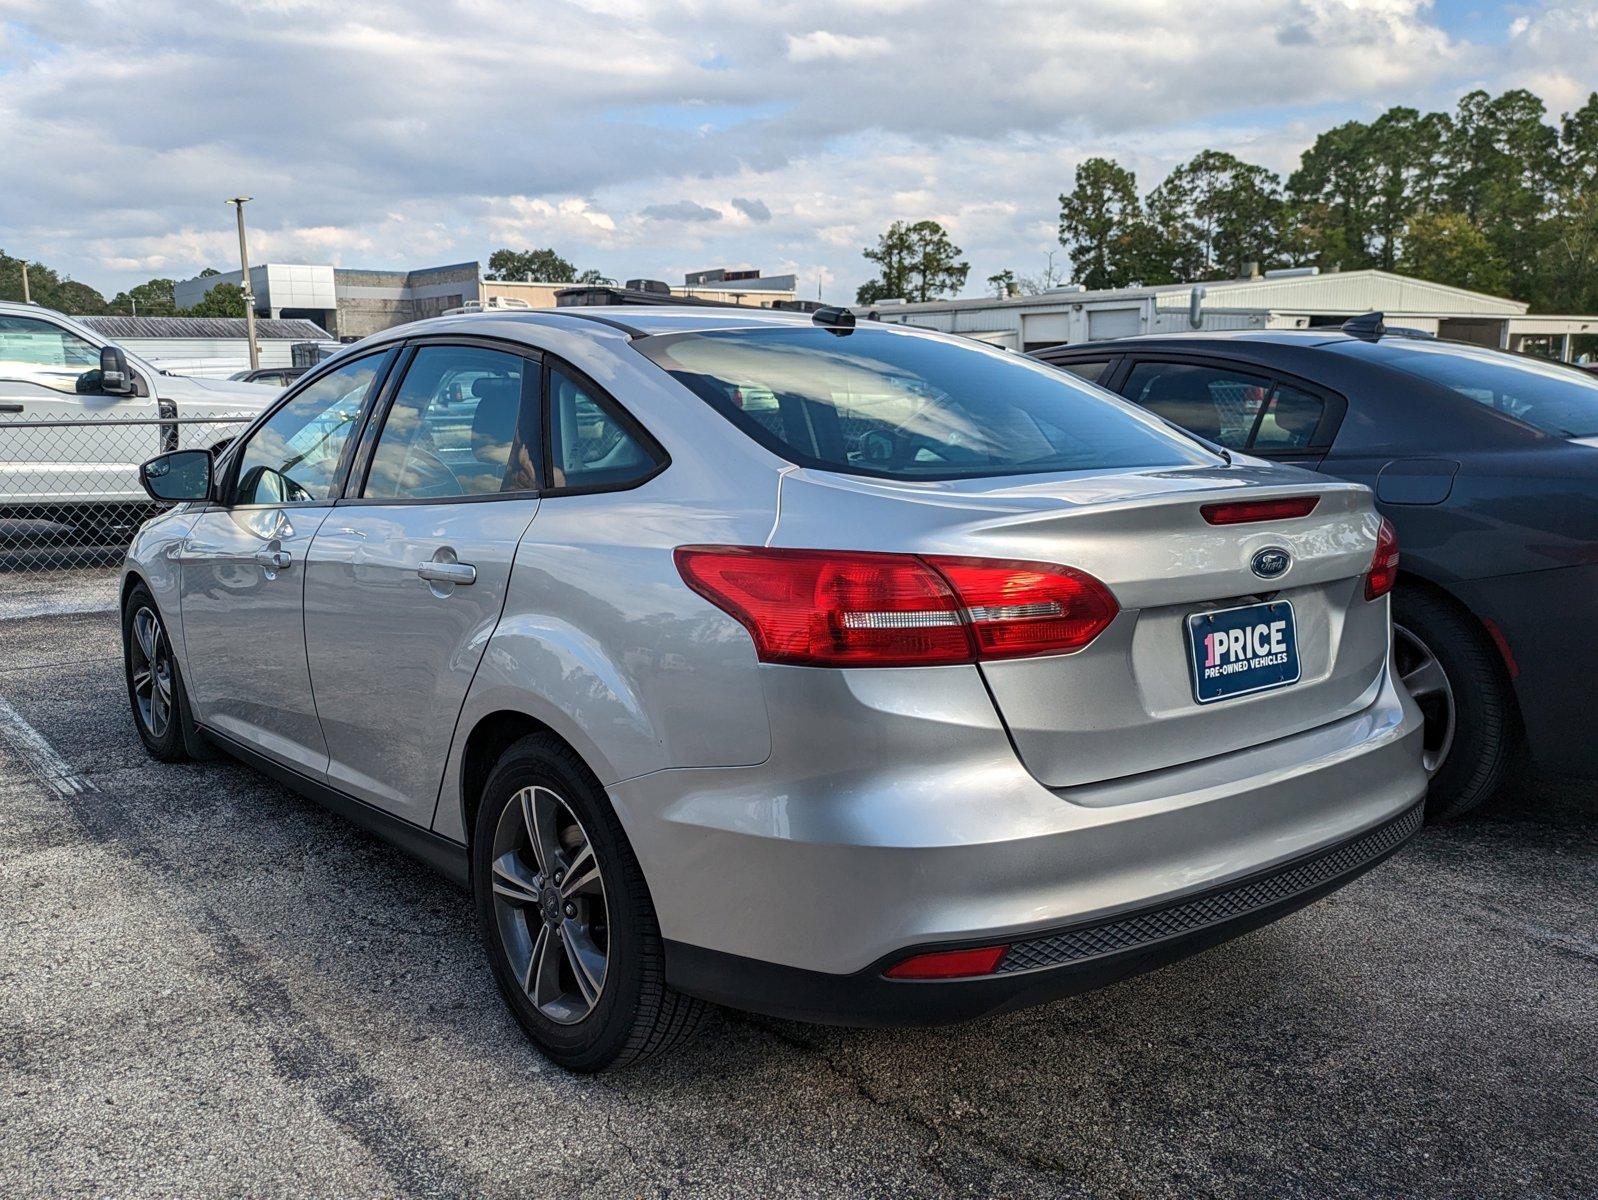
{"type": "Point", "coordinates": [178, 476]}
{"type": "Point", "coordinates": [115, 378]}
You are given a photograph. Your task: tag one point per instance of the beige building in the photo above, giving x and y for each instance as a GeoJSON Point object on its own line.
{"type": "Point", "coordinates": [352, 302]}
{"type": "Point", "coordinates": [721, 285]}
{"type": "Point", "coordinates": [1295, 299]}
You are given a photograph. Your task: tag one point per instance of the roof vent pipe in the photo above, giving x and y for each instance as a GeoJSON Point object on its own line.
{"type": "Point", "coordinates": [1195, 307]}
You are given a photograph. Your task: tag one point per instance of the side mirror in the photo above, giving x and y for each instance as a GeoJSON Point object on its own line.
{"type": "Point", "coordinates": [115, 378]}
{"type": "Point", "coordinates": [178, 476]}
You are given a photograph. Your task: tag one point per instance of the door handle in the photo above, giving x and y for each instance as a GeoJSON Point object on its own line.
{"type": "Point", "coordinates": [10, 408]}
{"type": "Point", "coordinates": [448, 572]}
{"type": "Point", "coordinates": [274, 560]}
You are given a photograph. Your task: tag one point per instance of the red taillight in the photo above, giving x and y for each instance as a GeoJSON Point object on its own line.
{"type": "Point", "coordinates": [1020, 608]}
{"type": "Point", "coordinates": [949, 964]}
{"type": "Point", "coordinates": [1383, 574]}
{"type": "Point", "coordinates": [1241, 512]}
{"type": "Point", "coordinates": [839, 608]}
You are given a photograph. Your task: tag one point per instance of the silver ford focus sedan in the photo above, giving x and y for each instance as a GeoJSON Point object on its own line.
{"type": "Point", "coordinates": [842, 672]}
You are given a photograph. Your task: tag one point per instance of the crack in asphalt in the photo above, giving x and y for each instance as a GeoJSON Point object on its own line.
{"type": "Point", "coordinates": [972, 1145]}
{"type": "Point", "coordinates": [302, 1056]}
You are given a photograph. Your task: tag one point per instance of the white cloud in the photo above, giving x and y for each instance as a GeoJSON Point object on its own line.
{"type": "Point", "coordinates": [1554, 52]}
{"type": "Point", "coordinates": [812, 47]}
{"type": "Point", "coordinates": [415, 132]}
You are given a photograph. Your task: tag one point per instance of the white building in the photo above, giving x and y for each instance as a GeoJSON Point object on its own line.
{"type": "Point", "coordinates": [211, 347]}
{"type": "Point", "coordinates": [1299, 299]}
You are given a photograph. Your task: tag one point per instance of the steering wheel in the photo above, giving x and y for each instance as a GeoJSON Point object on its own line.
{"type": "Point", "coordinates": [431, 474]}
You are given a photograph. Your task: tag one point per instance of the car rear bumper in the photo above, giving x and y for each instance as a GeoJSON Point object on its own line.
{"type": "Point", "coordinates": [1045, 966]}
{"type": "Point", "coordinates": [889, 820]}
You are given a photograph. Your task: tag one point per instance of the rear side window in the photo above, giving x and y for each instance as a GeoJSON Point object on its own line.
{"type": "Point", "coordinates": [1237, 409]}
{"type": "Point", "coordinates": [903, 406]}
{"type": "Point", "coordinates": [1291, 418]}
{"type": "Point", "coordinates": [590, 443]}
{"type": "Point", "coordinates": [1089, 370]}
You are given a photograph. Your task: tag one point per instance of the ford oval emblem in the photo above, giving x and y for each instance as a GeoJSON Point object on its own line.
{"type": "Point", "coordinates": [1271, 562]}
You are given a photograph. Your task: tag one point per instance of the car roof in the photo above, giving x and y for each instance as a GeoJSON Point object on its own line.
{"type": "Point", "coordinates": [1231, 338]}
{"type": "Point", "coordinates": [627, 321]}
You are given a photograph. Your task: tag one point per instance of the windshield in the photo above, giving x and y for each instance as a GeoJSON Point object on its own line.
{"type": "Point", "coordinates": [876, 402]}
{"type": "Point", "coordinates": [1557, 399]}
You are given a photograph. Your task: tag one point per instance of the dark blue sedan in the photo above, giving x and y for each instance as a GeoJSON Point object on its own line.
{"type": "Point", "coordinates": [1486, 462]}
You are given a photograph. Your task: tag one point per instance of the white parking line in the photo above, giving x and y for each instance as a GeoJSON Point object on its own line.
{"type": "Point", "coordinates": [26, 610]}
{"type": "Point", "coordinates": [39, 754]}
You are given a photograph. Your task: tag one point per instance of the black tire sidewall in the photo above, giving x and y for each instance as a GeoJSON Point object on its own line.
{"type": "Point", "coordinates": [1483, 706]}
{"type": "Point", "coordinates": [169, 746]}
{"type": "Point", "coordinates": [599, 1038]}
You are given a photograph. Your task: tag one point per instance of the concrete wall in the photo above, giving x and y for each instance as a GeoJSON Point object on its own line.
{"type": "Point", "coordinates": [371, 301]}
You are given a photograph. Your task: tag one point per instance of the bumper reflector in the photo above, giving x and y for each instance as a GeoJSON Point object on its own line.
{"type": "Point", "coordinates": [949, 964]}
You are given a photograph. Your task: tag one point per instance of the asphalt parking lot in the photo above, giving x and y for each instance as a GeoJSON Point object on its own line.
{"type": "Point", "coordinates": [212, 987]}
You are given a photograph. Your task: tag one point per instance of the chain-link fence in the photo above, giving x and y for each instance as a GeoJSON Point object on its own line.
{"type": "Point", "coordinates": [69, 489]}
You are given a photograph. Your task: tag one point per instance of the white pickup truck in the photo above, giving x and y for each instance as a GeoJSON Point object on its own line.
{"type": "Point", "coordinates": [79, 414]}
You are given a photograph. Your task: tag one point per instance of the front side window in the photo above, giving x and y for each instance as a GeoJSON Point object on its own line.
{"type": "Point", "coordinates": [464, 423]}
{"type": "Point", "coordinates": [294, 457]}
{"type": "Point", "coordinates": [881, 402]}
{"type": "Point", "coordinates": [1554, 398]}
{"type": "Point", "coordinates": [41, 352]}
{"type": "Point", "coordinates": [590, 445]}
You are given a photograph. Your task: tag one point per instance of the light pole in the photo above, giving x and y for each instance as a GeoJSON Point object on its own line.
{"type": "Point", "coordinates": [238, 202]}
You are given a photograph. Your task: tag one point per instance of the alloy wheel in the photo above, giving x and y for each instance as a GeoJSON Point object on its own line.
{"type": "Point", "coordinates": [549, 901]}
{"type": "Point", "coordinates": [151, 671]}
{"type": "Point", "coordinates": [1427, 683]}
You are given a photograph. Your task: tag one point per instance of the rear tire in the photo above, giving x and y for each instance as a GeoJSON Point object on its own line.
{"type": "Point", "coordinates": [576, 951]}
{"type": "Point", "coordinates": [1474, 685]}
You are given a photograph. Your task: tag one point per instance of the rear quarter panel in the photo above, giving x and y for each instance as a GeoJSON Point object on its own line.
{"type": "Point", "coordinates": [600, 639]}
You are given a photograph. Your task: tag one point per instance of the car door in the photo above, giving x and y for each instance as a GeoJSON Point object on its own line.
{"type": "Point", "coordinates": [1237, 405]}
{"type": "Point", "coordinates": [406, 579]}
{"type": "Point", "coordinates": [73, 453]}
{"type": "Point", "coordinates": [243, 567]}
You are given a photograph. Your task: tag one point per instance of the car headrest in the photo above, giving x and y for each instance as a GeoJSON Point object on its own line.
{"type": "Point", "coordinates": [494, 423]}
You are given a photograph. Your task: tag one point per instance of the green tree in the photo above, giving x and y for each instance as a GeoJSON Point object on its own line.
{"type": "Point", "coordinates": [48, 288]}
{"type": "Point", "coordinates": [1570, 272]}
{"type": "Point", "coordinates": [1447, 246]}
{"type": "Point", "coordinates": [542, 266]}
{"type": "Point", "coordinates": [1358, 185]}
{"type": "Point", "coordinates": [223, 300]}
{"type": "Point", "coordinates": [1333, 194]}
{"type": "Point", "coordinates": [153, 298]}
{"type": "Point", "coordinates": [1503, 157]}
{"type": "Point", "coordinates": [1003, 283]}
{"type": "Point", "coordinates": [1101, 225]}
{"type": "Point", "coordinates": [1217, 212]}
{"type": "Point", "coordinates": [918, 262]}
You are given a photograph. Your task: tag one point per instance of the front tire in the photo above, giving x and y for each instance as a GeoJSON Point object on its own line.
{"type": "Point", "coordinates": [1453, 672]}
{"type": "Point", "coordinates": [155, 684]}
{"type": "Point", "coordinates": [565, 915]}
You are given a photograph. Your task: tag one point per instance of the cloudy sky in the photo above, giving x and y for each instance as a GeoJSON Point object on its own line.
{"type": "Point", "coordinates": [655, 137]}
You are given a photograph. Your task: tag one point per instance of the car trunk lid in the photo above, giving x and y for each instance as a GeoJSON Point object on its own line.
{"type": "Point", "coordinates": [1126, 704]}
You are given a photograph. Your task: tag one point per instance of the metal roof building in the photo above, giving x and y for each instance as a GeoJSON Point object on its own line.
{"type": "Point", "coordinates": [1296, 299]}
{"type": "Point", "coordinates": [206, 346]}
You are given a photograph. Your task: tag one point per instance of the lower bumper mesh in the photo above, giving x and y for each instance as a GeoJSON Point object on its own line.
{"type": "Point", "coordinates": [1214, 907]}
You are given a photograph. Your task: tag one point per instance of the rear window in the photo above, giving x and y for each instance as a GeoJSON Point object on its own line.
{"type": "Point", "coordinates": [1557, 399]}
{"type": "Point", "coordinates": [876, 402]}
